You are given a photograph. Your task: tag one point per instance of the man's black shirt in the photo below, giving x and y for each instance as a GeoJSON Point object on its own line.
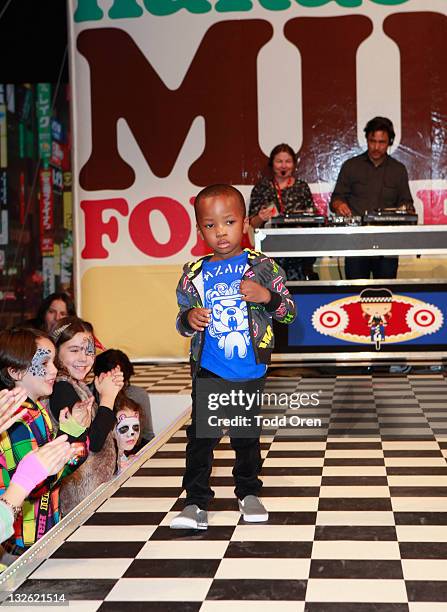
{"type": "Point", "coordinates": [365, 187]}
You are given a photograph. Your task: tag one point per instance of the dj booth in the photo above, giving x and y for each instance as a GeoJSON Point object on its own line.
{"type": "Point", "coordinates": [360, 320]}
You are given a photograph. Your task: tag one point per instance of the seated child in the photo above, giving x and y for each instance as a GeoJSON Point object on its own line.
{"type": "Point", "coordinates": [47, 460]}
{"type": "Point", "coordinates": [27, 364]}
{"type": "Point", "coordinates": [129, 420]}
{"type": "Point", "coordinates": [227, 301]}
{"type": "Point", "coordinates": [75, 347]}
{"type": "Point", "coordinates": [112, 358]}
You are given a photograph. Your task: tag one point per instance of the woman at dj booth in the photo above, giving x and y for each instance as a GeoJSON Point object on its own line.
{"type": "Point", "coordinates": [281, 192]}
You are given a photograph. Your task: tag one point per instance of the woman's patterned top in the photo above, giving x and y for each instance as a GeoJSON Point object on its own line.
{"type": "Point", "coordinates": [296, 198]}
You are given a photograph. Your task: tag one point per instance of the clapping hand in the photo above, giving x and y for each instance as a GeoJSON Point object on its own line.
{"type": "Point", "coordinates": [54, 455]}
{"type": "Point", "coordinates": [36, 466]}
{"type": "Point", "coordinates": [108, 385]}
{"type": "Point", "coordinates": [10, 402]}
{"type": "Point", "coordinates": [81, 413]}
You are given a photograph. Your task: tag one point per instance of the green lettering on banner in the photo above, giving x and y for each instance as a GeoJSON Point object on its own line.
{"type": "Point", "coordinates": [225, 6]}
{"type": "Point", "coordinates": [390, 2]}
{"type": "Point", "coordinates": [344, 3]}
{"type": "Point", "coordinates": [43, 112]}
{"type": "Point", "coordinates": [88, 10]}
{"type": "Point", "coordinates": [167, 7]}
{"type": "Point", "coordinates": [275, 5]}
{"type": "Point", "coordinates": [123, 9]}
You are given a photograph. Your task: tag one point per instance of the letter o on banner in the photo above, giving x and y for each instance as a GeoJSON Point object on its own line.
{"type": "Point", "coordinates": [141, 231]}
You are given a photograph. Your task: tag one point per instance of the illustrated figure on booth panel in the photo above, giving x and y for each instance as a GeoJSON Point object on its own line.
{"type": "Point", "coordinates": [371, 182]}
{"type": "Point", "coordinates": [376, 304]}
{"type": "Point", "coordinates": [227, 301]}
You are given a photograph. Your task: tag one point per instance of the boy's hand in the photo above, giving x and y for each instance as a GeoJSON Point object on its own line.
{"type": "Point", "coordinates": [254, 292]}
{"type": "Point", "coordinates": [199, 318]}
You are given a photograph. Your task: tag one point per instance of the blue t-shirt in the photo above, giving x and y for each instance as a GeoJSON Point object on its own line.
{"type": "Point", "coordinates": [228, 350]}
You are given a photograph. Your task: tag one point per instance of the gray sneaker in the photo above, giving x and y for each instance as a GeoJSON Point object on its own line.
{"type": "Point", "coordinates": [191, 517]}
{"type": "Point", "coordinates": [252, 509]}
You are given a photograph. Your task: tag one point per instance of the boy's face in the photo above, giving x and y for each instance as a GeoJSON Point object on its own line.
{"type": "Point", "coordinates": [222, 224]}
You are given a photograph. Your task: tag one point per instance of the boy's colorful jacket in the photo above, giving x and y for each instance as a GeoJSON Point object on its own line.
{"type": "Point", "coordinates": [40, 510]}
{"type": "Point", "coordinates": [260, 269]}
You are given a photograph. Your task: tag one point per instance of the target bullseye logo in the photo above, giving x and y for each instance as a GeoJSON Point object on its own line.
{"type": "Point", "coordinates": [330, 319]}
{"type": "Point", "coordinates": [424, 318]}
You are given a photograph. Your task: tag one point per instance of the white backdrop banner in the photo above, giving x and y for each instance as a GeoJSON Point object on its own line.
{"type": "Point", "coordinates": [172, 95]}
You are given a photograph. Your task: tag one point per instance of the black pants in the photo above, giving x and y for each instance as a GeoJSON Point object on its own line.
{"type": "Point", "coordinates": [199, 458]}
{"type": "Point", "coordinates": [363, 267]}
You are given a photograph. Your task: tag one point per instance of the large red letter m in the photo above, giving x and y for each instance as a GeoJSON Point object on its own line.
{"type": "Point", "coordinates": [221, 81]}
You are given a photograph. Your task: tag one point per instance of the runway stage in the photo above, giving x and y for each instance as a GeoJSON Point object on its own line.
{"type": "Point", "coordinates": [358, 515]}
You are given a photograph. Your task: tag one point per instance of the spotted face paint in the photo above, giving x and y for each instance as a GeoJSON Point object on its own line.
{"type": "Point", "coordinates": [40, 357]}
{"type": "Point", "coordinates": [38, 379]}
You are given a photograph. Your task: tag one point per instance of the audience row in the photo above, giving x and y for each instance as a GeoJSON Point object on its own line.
{"type": "Point", "coordinates": [69, 421]}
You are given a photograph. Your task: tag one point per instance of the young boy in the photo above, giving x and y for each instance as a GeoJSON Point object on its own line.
{"type": "Point", "coordinates": [227, 301]}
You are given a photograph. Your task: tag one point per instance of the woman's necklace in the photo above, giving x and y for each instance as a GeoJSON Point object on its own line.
{"type": "Point", "coordinates": [278, 190]}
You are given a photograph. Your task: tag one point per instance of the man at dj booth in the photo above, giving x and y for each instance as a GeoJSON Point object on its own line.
{"type": "Point", "coordinates": [371, 182]}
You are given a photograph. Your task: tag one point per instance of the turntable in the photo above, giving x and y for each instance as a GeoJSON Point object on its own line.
{"type": "Point", "coordinates": [297, 220]}
{"type": "Point", "coordinates": [390, 216]}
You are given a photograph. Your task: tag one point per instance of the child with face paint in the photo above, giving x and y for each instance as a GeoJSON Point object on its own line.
{"type": "Point", "coordinates": [129, 417]}
{"type": "Point", "coordinates": [109, 359]}
{"type": "Point", "coordinates": [29, 466]}
{"type": "Point", "coordinates": [75, 347]}
{"type": "Point", "coordinates": [51, 458]}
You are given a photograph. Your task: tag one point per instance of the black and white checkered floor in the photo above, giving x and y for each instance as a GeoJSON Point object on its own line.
{"type": "Point", "coordinates": [174, 378]}
{"type": "Point", "coordinates": [358, 516]}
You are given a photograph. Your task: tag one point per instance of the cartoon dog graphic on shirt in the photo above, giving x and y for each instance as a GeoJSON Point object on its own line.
{"type": "Point", "coordinates": [229, 321]}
